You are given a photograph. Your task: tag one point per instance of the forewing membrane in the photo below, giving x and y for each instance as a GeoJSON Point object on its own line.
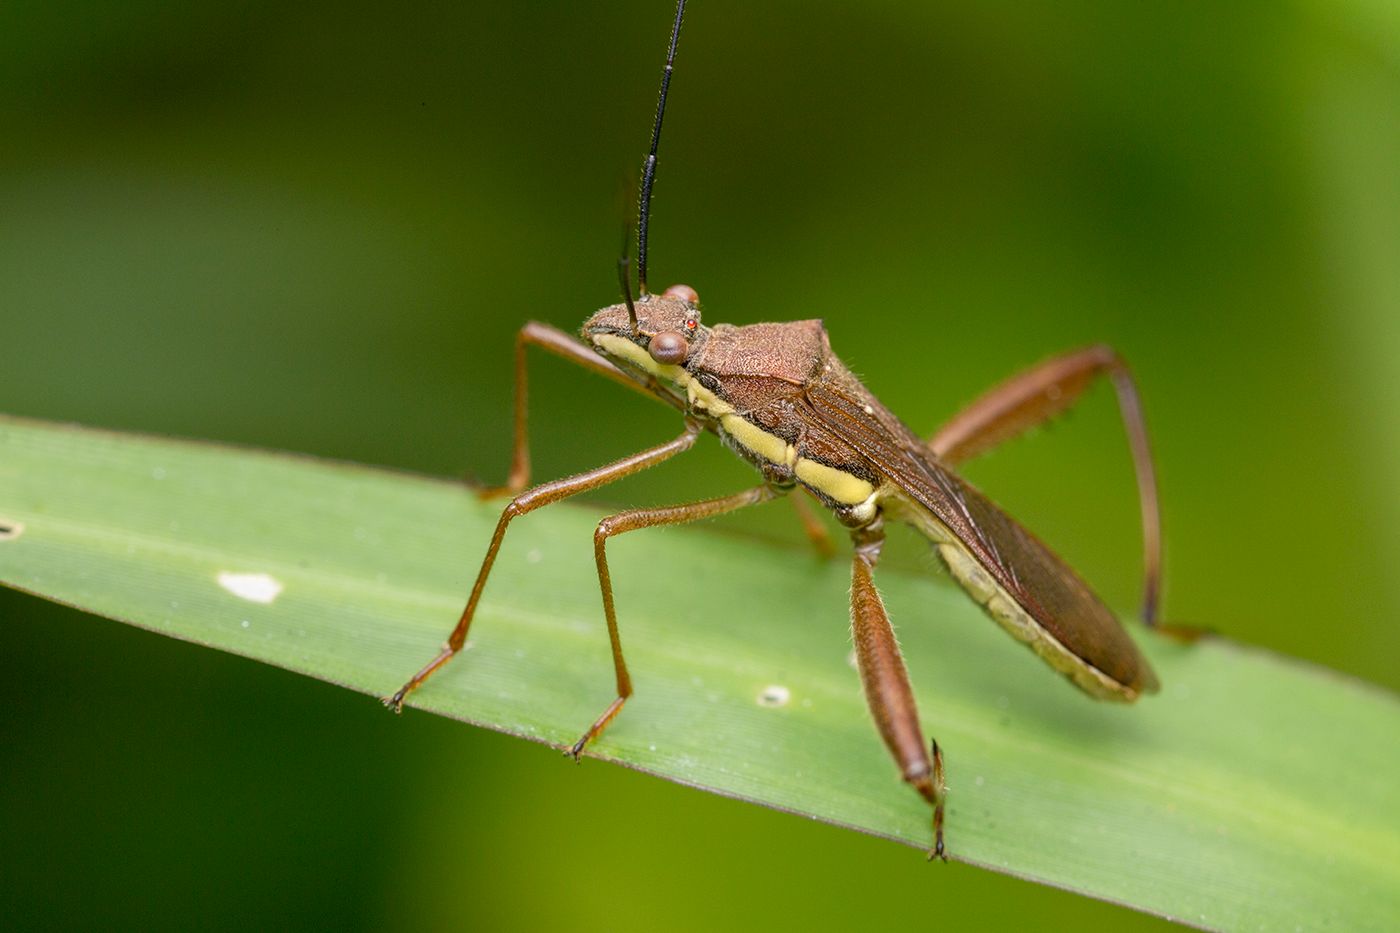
{"type": "Point", "coordinates": [1030, 573]}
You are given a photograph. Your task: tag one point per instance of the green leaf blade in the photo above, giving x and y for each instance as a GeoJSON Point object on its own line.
{"type": "Point", "coordinates": [1251, 793]}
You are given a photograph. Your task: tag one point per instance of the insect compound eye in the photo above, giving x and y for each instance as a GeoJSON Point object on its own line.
{"type": "Point", "coordinates": [683, 292]}
{"type": "Point", "coordinates": [668, 348]}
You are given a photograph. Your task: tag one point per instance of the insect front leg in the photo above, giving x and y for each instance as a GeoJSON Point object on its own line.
{"type": "Point", "coordinates": [1039, 394]}
{"type": "Point", "coordinates": [541, 495]}
{"type": "Point", "coordinates": [630, 521]}
{"type": "Point", "coordinates": [563, 345]}
{"type": "Point", "coordinates": [886, 682]}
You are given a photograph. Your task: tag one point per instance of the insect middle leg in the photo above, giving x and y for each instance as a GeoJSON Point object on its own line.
{"type": "Point", "coordinates": [563, 345]}
{"type": "Point", "coordinates": [630, 521]}
{"type": "Point", "coordinates": [541, 495]}
{"type": "Point", "coordinates": [811, 525]}
{"type": "Point", "coordinates": [1039, 394]}
{"type": "Point", "coordinates": [886, 682]}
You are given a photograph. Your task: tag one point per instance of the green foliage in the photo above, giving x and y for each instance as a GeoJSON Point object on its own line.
{"type": "Point", "coordinates": [1251, 792]}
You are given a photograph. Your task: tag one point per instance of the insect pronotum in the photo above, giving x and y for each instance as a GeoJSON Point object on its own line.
{"type": "Point", "coordinates": [777, 396]}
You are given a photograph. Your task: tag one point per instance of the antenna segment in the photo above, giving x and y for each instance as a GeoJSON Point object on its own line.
{"type": "Point", "coordinates": [649, 167]}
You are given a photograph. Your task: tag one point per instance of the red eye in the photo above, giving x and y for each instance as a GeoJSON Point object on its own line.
{"type": "Point", "coordinates": [690, 325]}
{"type": "Point", "coordinates": [683, 292]}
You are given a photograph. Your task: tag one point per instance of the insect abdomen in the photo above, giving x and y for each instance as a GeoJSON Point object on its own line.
{"type": "Point", "coordinates": [1003, 609]}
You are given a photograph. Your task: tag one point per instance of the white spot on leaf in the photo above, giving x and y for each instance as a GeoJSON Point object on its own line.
{"type": "Point", "coordinates": [254, 587]}
{"type": "Point", "coordinates": [774, 695]}
{"type": "Point", "coordinates": [10, 530]}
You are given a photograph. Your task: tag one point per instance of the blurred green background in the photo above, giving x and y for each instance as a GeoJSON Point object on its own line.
{"type": "Point", "coordinates": [317, 228]}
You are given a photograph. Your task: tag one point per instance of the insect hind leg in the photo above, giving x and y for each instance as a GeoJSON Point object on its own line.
{"type": "Point", "coordinates": [1035, 396]}
{"type": "Point", "coordinates": [887, 689]}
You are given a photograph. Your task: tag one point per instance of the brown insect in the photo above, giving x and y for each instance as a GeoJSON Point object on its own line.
{"type": "Point", "coordinates": [778, 397]}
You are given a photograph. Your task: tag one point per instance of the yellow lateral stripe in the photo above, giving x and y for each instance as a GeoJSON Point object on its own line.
{"type": "Point", "coordinates": [705, 400]}
{"type": "Point", "coordinates": [838, 484]}
{"type": "Point", "coordinates": [621, 346]}
{"type": "Point", "coordinates": [768, 446]}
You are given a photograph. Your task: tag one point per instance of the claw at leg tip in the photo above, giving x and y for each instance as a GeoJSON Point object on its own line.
{"type": "Point", "coordinates": [937, 852]}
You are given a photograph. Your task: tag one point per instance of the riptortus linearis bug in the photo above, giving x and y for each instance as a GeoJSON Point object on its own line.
{"type": "Point", "coordinates": [778, 397]}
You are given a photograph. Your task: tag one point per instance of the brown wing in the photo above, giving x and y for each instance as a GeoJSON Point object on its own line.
{"type": "Point", "coordinates": [1039, 581]}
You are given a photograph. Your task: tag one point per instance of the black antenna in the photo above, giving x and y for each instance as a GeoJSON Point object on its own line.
{"type": "Point", "coordinates": [623, 280]}
{"type": "Point", "coordinates": [649, 167]}
{"type": "Point", "coordinates": [627, 291]}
